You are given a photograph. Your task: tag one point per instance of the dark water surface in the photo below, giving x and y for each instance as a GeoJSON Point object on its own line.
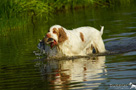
{"type": "Point", "coordinates": [19, 71]}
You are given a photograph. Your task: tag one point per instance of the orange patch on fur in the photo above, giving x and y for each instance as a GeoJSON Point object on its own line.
{"type": "Point", "coordinates": [62, 36]}
{"type": "Point", "coordinates": [55, 31]}
{"type": "Point", "coordinates": [82, 36]}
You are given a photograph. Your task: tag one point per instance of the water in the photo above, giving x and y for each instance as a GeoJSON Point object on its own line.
{"type": "Point", "coordinates": [21, 69]}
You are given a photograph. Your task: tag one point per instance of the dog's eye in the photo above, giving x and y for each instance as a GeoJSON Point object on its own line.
{"type": "Point", "coordinates": [54, 31]}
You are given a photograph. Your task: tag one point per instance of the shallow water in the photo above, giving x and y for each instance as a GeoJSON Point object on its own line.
{"type": "Point", "coordinates": [21, 69]}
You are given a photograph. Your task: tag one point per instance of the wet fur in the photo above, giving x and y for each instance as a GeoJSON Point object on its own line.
{"type": "Point", "coordinates": [79, 41]}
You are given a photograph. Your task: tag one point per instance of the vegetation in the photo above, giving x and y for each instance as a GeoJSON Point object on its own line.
{"type": "Point", "coordinates": [13, 12]}
{"type": "Point", "coordinates": [11, 8]}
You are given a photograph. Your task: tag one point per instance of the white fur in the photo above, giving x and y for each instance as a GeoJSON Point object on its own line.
{"type": "Point", "coordinates": [74, 45]}
{"type": "Point", "coordinates": [132, 85]}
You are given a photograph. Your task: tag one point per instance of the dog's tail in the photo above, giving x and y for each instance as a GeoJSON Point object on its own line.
{"type": "Point", "coordinates": [102, 28]}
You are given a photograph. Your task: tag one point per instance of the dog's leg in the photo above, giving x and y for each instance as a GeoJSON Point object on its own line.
{"type": "Point", "coordinates": [95, 47]}
{"type": "Point", "coordinates": [99, 46]}
{"type": "Point", "coordinates": [89, 50]}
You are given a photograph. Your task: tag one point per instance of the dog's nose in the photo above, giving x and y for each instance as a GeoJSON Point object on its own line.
{"type": "Point", "coordinates": [48, 35]}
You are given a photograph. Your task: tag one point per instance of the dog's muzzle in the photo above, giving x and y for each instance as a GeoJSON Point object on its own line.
{"type": "Point", "coordinates": [47, 40]}
{"type": "Point", "coordinates": [52, 42]}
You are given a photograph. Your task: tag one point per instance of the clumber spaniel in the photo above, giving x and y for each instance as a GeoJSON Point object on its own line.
{"type": "Point", "coordinates": [79, 41]}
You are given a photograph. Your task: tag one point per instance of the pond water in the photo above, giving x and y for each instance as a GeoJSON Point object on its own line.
{"type": "Point", "coordinates": [19, 69]}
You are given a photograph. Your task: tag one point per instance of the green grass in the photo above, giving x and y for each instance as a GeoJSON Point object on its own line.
{"type": "Point", "coordinates": [12, 11]}
{"type": "Point", "coordinates": [11, 8]}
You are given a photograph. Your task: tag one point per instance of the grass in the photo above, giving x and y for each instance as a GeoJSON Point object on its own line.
{"type": "Point", "coordinates": [11, 8]}
{"type": "Point", "coordinates": [12, 11]}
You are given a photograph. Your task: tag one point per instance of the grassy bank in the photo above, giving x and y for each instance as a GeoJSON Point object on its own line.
{"type": "Point", "coordinates": [12, 12]}
{"type": "Point", "coordinates": [12, 8]}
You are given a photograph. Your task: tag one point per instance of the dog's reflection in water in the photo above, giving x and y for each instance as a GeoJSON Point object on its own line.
{"type": "Point", "coordinates": [70, 73]}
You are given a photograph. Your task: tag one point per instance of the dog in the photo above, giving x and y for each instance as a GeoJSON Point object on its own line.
{"type": "Point", "coordinates": [132, 85]}
{"type": "Point", "coordinates": [79, 41]}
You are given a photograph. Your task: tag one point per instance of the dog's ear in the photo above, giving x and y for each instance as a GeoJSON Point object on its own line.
{"type": "Point", "coordinates": [62, 35]}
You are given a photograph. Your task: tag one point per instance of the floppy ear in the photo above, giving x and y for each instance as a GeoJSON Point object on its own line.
{"type": "Point", "coordinates": [62, 35]}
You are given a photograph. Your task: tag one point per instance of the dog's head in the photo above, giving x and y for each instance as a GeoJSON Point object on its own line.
{"type": "Point", "coordinates": [57, 34]}
{"type": "Point", "coordinates": [130, 83]}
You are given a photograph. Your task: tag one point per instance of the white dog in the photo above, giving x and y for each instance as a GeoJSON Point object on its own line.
{"type": "Point", "coordinates": [79, 41]}
{"type": "Point", "coordinates": [132, 85]}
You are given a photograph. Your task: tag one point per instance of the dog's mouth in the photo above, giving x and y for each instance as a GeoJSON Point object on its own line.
{"type": "Point", "coordinates": [52, 42]}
